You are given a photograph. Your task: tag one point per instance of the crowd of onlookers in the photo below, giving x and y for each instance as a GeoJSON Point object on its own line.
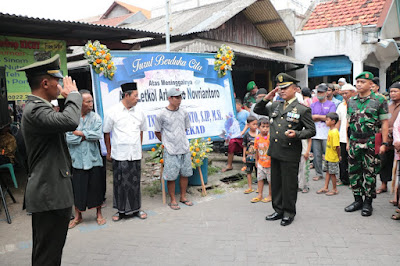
{"type": "Point", "coordinates": [328, 103]}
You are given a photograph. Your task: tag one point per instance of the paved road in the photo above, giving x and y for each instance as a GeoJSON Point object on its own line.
{"type": "Point", "coordinates": [225, 229]}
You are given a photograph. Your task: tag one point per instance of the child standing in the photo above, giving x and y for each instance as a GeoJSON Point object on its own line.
{"type": "Point", "coordinates": [249, 153]}
{"type": "Point", "coordinates": [261, 145]}
{"type": "Point", "coordinates": [304, 166]}
{"type": "Point", "coordinates": [236, 142]}
{"type": "Point", "coordinates": [332, 155]}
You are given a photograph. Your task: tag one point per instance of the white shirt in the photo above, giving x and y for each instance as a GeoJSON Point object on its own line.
{"type": "Point", "coordinates": [342, 113]}
{"type": "Point", "coordinates": [125, 127]}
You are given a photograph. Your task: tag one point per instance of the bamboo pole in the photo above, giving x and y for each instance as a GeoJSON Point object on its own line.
{"type": "Point", "coordinates": [203, 187]}
{"type": "Point", "coordinates": [394, 176]}
{"type": "Point", "coordinates": [164, 196]}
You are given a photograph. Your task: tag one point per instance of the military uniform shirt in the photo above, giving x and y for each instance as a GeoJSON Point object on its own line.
{"type": "Point", "coordinates": [365, 113]}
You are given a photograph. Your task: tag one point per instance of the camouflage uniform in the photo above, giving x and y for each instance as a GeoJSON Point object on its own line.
{"type": "Point", "coordinates": [249, 99]}
{"type": "Point", "coordinates": [364, 117]}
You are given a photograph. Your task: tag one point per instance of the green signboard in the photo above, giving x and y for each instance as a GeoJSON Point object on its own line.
{"type": "Point", "coordinates": [16, 52]}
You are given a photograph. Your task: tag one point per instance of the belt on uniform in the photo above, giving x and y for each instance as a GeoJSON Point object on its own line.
{"type": "Point", "coordinates": [363, 135]}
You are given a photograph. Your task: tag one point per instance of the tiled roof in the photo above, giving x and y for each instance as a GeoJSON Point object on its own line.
{"type": "Point", "coordinates": [338, 13]}
{"type": "Point", "coordinates": [112, 21]}
{"type": "Point", "coordinates": [130, 8]}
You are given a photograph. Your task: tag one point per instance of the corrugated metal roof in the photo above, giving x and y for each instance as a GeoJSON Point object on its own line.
{"type": "Point", "coordinates": [261, 13]}
{"type": "Point", "coordinates": [207, 46]}
{"type": "Point", "coordinates": [15, 25]}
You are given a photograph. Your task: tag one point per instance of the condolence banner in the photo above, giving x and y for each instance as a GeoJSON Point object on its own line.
{"type": "Point", "coordinates": [207, 98]}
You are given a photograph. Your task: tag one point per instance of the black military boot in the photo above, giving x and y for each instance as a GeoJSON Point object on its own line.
{"type": "Point", "coordinates": [367, 207]}
{"type": "Point", "coordinates": [356, 205]}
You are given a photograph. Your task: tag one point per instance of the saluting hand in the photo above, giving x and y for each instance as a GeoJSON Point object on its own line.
{"type": "Point", "coordinates": [270, 96]}
{"type": "Point", "coordinates": [69, 85]}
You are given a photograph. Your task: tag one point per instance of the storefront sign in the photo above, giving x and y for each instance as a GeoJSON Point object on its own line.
{"type": "Point", "coordinates": [207, 98]}
{"type": "Point", "coordinates": [17, 52]}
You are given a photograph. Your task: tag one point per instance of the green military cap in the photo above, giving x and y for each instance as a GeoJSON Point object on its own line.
{"type": "Point", "coordinates": [50, 67]}
{"type": "Point", "coordinates": [365, 75]}
{"type": "Point", "coordinates": [251, 85]}
{"type": "Point", "coordinates": [284, 80]}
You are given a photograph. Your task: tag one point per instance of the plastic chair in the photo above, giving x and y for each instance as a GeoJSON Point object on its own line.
{"type": "Point", "coordinates": [10, 168]}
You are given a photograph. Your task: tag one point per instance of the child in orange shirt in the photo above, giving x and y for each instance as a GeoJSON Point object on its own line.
{"type": "Point", "coordinates": [263, 161]}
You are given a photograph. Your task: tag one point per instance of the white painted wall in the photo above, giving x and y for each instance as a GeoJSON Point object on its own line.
{"type": "Point", "coordinates": [332, 42]}
{"type": "Point", "coordinates": [391, 28]}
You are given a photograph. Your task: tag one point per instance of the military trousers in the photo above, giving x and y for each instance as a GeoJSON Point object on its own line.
{"type": "Point", "coordinates": [49, 230]}
{"type": "Point", "coordinates": [364, 166]}
{"type": "Point", "coordinates": [284, 185]}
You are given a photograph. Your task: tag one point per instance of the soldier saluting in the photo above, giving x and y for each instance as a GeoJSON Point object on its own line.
{"type": "Point", "coordinates": [290, 122]}
{"type": "Point", "coordinates": [367, 113]}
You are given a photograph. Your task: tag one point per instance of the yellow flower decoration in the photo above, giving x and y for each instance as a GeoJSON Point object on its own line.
{"type": "Point", "coordinates": [194, 154]}
{"type": "Point", "coordinates": [221, 66]}
{"type": "Point", "coordinates": [99, 53]}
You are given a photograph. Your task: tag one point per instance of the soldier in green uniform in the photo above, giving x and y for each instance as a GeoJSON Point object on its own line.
{"type": "Point", "coordinates": [367, 113]}
{"type": "Point", "coordinates": [290, 122]}
{"type": "Point", "coordinates": [250, 97]}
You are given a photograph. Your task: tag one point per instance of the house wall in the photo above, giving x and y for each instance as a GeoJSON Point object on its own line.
{"type": "Point", "coordinates": [139, 16]}
{"type": "Point", "coordinates": [118, 11]}
{"type": "Point", "coordinates": [238, 30]}
{"type": "Point", "coordinates": [331, 42]}
{"type": "Point", "coordinates": [391, 27]}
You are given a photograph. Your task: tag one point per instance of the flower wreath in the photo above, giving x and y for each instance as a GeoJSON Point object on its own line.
{"type": "Point", "coordinates": [99, 57]}
{"type": "Point", "coordinates": [224, 60]}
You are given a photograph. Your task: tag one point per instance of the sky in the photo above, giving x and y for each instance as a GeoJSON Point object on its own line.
{"type": "Point", "coordinates": [68, 9]}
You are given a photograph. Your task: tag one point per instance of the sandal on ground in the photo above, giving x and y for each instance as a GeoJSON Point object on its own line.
{"type": "Point", "coordinates": [396, 216]}
{"type": "Point", "coordinates": [248, 191]}
{"type": "Point", "coordinates": [394, 202]}
{"type": "Point", "coordinates": [306, 190]}
{"type": "Point", "coordinates": [322, 191]}
{"type": "Point", "coordinates": [255, 200]}
{"type": "Point", "coordinates": [174, 206]}
{"type": "Point", "coordinates": [118, 217]}
{"type": "Point", "coordinates": [226, 169]}
{"type": "Point", "coordinates": [141, 214]}
{"type": "Point", "coordinates": [186, 202]}
{"type": "Point", "coordinates": [397, 210]}
{"type": "Point", "coordinates": [332, 193]}
{"type": "Point", "coordinates": [266, 200]}
{"type": "Point", "coordinates": [74, 223]}
{"type": "Point", "coordinates": [101, 221]}
{"type": "Point", "coordinates": [381, 190]}
{"type": "Point", "coordinates": [316, 178]}
{"type": "Point", "coordinates": [339, 183]}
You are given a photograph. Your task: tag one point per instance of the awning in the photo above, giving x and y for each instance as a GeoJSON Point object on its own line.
{"type": "Point", "coordinates": [330, 66]}
{"type": "Point", "coordinates": [211, 46]}
{"type": "Point", "coordinates": [73, 32]}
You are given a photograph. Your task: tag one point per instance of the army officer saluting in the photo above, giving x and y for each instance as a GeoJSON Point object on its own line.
{"type": "Point", "coordinates": [290, 122]}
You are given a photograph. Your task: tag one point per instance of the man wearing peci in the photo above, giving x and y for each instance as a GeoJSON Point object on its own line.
{"type": "Point", "coordinates": [290, 122]}
{"type": "Point", "coordinates": [48, 193]}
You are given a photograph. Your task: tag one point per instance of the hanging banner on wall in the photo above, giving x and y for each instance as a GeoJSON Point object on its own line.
{"type": "Point", "coordinates": [207, 98]}
{"type": "Point", "coordinates": [17, 52]}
